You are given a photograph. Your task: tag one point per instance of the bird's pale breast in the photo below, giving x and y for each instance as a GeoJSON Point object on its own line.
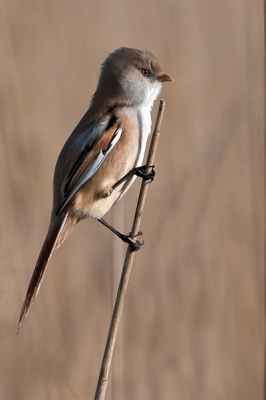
{"type": "Point", "coordinates": [94, 200]}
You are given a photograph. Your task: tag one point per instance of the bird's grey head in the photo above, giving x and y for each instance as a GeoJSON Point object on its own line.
{"type": "Point", "coordinates": [130, 77]}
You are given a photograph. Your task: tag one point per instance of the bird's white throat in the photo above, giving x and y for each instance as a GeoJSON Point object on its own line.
{"type": "Point", "coordinates": [141, 92]}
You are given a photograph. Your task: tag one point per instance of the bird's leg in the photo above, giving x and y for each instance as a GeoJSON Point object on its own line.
{"type": "Point", "coordinates": [126, 238]}
{"type": "Point", "coordinates": [139, 171]}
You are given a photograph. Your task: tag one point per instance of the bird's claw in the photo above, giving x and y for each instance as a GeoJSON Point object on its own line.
{"type": "Point", "coordinates": [134, 246]}
{"type": "Point", "coordinates": [140, 171]}
{"type": "Point", "coordinates": [138, 234]}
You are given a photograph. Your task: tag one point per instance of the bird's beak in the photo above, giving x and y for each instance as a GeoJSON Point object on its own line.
{"type": "Point", "coordinates": [164, 78]}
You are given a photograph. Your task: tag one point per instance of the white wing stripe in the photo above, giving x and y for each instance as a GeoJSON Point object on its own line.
{"type": "Point", "coordinates": [91, 169]}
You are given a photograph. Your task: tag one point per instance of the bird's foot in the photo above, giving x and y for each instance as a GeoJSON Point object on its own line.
{"type": "Point", "coordinates": [134, 246]}
{"type": "Point", "coordinates": [140, 171]}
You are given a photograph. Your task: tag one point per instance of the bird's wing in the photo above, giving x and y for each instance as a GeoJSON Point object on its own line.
{"type": "Point", "coordinates": [96, 142]}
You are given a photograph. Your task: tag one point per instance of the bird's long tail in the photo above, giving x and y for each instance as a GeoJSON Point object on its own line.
{"type": "Point", "coordinates": [58, 231]}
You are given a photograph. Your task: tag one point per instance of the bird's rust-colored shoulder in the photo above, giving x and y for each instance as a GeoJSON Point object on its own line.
{"type": "Point", "coordinates": [102, 145]}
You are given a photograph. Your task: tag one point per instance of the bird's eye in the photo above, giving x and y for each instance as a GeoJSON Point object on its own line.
{"type": "Point", "coordinates": [145, 72]}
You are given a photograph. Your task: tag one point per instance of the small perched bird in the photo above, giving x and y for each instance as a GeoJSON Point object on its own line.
{"type": "Point", "coordinates": [102, 156]}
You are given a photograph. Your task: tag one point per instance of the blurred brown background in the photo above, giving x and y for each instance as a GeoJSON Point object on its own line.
{"type": "Point", "coordinates": [193, 322]}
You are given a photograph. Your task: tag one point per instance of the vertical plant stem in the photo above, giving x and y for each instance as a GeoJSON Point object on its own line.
{"type": "Point", "coordinates": [109, 348]}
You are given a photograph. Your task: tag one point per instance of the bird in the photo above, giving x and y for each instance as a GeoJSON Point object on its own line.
{"type": "Point", "coordinates": [103, 155]}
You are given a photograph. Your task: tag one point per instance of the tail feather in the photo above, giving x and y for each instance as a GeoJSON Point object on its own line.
{"type": "Point", "coordinates": [52, 241]}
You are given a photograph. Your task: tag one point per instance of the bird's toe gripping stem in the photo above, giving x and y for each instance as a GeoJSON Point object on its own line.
{"type": "Point", "coordinates": [140, 171]}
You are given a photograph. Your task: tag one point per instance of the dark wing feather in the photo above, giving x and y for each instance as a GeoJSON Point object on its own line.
{"type": "Point", "coordinates": [97, 141]}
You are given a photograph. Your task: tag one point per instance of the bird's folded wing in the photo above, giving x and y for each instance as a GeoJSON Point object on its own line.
{"type": "Point", "coordinates": [96, 143]}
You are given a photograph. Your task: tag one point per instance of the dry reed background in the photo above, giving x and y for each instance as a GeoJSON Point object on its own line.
{"type": "Point", "coordinates": [193, 325]}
